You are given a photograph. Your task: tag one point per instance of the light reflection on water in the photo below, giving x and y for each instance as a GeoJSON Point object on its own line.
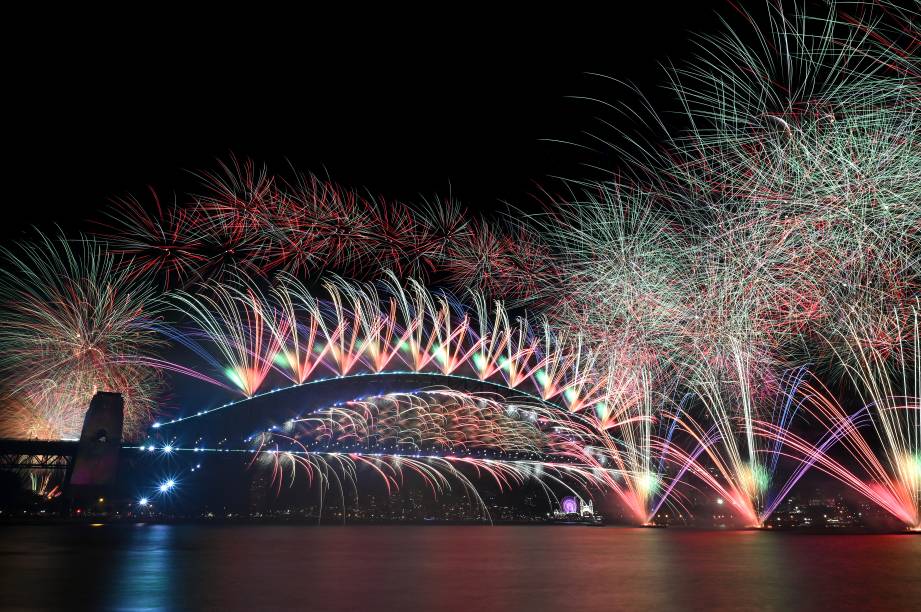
{"type": "Point", "coordinates": [144, 576]}
{"type": "Point", "coordinates": [477, 569]}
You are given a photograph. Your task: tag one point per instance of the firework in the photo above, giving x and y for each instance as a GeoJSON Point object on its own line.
{"type": "Point", "coordinates": [780, 229]}
{"type": "Point", "coordinates": [252, 222]}
{"type": "Point", "coordinates": [75, 322]}
{"type": "Point", "coordinates": [154, 239]}
{"type": "Point", "coordinates": [440, 435]}
{"type": "Point", "coordinates": [245, 336]}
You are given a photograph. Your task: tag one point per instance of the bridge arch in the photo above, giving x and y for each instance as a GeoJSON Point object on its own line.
{"type": "Point", "coordinates": [242, 418]}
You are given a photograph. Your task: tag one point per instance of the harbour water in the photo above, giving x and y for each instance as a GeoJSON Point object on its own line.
{"type": "Point", "coordinates": [474, 569]}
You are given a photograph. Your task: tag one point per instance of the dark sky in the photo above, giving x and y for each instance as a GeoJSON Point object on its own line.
{"type": "Point", "coordinates": [460, 105]}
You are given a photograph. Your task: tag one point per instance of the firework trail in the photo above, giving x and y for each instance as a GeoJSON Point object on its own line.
{"type": "Point", "coordinates": [252, 222]}
{"type": "Point", "coordinates": [812, 165]}
{"type": "Point", "coordinates": [813, 168]}
{"type": "Point", "coordinates": [246, 335]}
{"type": "Point", "coordinates": [75, 322]}
{"type": "Point", "coordinates": [781, 228]}
{"type": "Point", "coordinates": [609, 420]}
{"type": "Point", "coordinates": [441, 436]}
{"type": "Point", "coordinates": [883, 438]}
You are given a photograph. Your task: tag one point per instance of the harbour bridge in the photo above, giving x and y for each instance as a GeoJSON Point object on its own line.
{"type": "Point", "coordinates": [264, 424]}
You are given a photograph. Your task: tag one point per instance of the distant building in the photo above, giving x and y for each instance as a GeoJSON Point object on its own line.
{"type": "Point", "coordinates": [572, 505]}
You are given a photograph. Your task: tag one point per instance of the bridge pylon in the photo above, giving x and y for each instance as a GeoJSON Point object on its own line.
{"type": "Point", "coordinates": [95, 466]}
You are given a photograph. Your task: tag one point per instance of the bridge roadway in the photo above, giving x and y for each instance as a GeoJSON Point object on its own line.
{"type": "Point", "coordinates": [18, 454]}
{"type": "Point", "coordinates": [36, 454]}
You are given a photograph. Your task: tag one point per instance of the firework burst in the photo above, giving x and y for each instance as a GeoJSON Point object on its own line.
{"type": "Point", "coordinates": [75, 322]}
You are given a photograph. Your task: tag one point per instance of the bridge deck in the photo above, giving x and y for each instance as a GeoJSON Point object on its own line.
{"type": "Point", "coordinates": [36, 454]}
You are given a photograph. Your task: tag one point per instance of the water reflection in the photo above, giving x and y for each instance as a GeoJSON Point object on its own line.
{"type": "Point", "coordinates": [144, 571]}
{"type": "Point", "coordinates": [451, 568]}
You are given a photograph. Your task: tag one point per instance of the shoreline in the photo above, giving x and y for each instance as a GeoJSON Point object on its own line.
{"type": "Point", "coordinates": [275, 522]}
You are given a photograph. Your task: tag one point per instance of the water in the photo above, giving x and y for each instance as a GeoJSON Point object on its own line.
{"type": "Point", "coordinates": [478, 569]}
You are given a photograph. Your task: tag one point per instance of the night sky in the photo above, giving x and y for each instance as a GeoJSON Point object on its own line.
{"type": "Point", "coordinates": [467, 106]}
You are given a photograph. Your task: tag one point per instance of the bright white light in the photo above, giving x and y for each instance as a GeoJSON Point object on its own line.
{"type": "Point", "coordinates": [142, 501]}
{"type": "Point", "coordinates": [168, 448]}
{"type": "Point", "coordinates": [156, 426]}
{"type": "Point", "coordinates": [166, 486]}
{"type": "Point", "coordinates": [719, 500]}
